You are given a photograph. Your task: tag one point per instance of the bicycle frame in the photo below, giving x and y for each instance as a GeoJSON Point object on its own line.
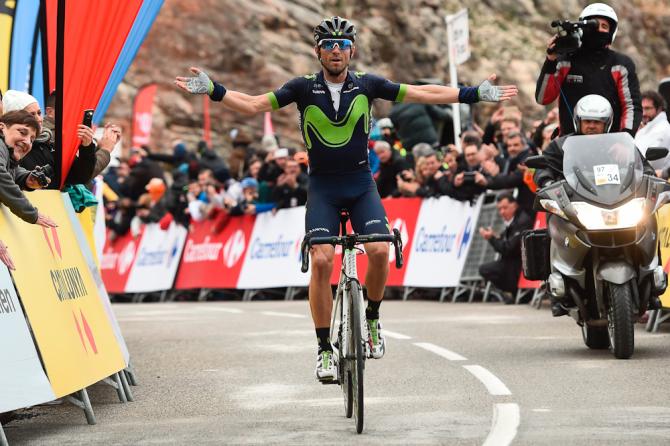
{"type": "Point", "coordinates": [348, 272]}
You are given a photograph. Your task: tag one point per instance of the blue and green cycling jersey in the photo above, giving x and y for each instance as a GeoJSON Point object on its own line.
{"type": "Point", "coordinates": [337, 141]}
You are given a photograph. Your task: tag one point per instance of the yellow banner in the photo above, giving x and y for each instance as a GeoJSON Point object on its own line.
{"type": "Point", "coordinates": [7, 8]}
{"type": "Point", "coordinates": [72, 331]}
{"type": "Point", "coordinates": [663, 220]}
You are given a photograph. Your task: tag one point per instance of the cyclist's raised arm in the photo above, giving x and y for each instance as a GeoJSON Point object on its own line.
{"type": "Point", "coordinates": [234, 100]}
{"type": "Point", "coordinates": [439, 94]}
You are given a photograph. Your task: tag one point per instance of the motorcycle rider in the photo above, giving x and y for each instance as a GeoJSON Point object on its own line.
{"type": "Point", "coordinates": [593, 115]}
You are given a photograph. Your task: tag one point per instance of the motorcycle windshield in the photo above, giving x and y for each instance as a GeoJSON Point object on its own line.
{"type": "Point", "coordinates": [604, 168]}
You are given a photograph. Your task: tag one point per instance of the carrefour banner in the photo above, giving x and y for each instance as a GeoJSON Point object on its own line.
{"type": "Point", "coordinates": [213, 256]}
{"type": "Point", "coordinates": [441, 241]}
{"type": "Point", "coordinates": [157, 259]}
{"type": "Point", "coordinates": [118, 258]}
{"type": "Point", "coordinates": [663, 219]}
{"type": "Point", "coordinates": [23, 380]}
{"type": "Point", "coordinates": [72, 330]}
{"type": "Point", "coordinates": [273, 256]}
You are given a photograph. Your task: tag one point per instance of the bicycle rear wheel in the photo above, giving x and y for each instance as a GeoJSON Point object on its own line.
{"type": "Point", "coordinates": [357, 366]}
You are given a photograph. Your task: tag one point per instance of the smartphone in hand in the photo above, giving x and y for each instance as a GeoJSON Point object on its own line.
{"type": "Point", "coordinates": [88, 118]}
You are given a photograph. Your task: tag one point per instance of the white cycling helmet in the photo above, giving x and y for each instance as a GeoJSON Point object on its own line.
{"type": "Point", "coordinates": [601, 10]}
{"type": "Point", "coordinates": [593, 107]}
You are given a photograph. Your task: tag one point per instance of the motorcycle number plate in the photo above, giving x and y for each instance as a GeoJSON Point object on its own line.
{"type": "Point", "coordinates": [606, 174]}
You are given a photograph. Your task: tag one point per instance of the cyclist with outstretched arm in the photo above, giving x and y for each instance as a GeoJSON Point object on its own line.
{"type": "Point", "coordinates": [334, 107]}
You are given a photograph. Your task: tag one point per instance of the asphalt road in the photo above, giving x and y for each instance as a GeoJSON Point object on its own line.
{"type": "Point", "coordinates": [471, 374]}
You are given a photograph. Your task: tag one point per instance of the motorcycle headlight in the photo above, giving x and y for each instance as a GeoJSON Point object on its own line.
{"type": "Point", "coordinates": [597, 218]}
{"type": "Point", "coordinates": [553, 207]}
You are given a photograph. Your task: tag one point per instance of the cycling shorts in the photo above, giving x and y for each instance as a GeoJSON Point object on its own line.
{"type": "Point", "coordinates": [356, 192]}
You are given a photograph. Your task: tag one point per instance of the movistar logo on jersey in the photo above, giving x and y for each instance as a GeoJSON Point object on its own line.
{"type": "Point", "coordinates": [335, 134]}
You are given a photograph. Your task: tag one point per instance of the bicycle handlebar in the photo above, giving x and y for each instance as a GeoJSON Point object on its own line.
{"type": "Point", "coordinates": [351, 240]}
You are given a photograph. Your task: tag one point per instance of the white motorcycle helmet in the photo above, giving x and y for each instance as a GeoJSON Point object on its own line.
{"type": "Point", "coordinates": [601, 10]}
{"type": "Point", "coordinates": [593, 107]}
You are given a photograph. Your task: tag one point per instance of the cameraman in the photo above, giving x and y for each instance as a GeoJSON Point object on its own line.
{"type": "Point", "coordinates": [592, 68]}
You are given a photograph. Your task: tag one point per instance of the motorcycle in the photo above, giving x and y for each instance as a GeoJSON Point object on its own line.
{"type": "Point", "coordinates": [600, 254]}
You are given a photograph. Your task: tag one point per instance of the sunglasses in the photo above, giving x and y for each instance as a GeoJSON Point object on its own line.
{"type": "Point", "coordinates": [342, 44]}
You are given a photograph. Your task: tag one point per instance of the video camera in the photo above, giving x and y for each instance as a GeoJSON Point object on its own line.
{"type": "Point", "coordinates": [43, 174]}
{"type": "Point", "coordinates": [570, 35]}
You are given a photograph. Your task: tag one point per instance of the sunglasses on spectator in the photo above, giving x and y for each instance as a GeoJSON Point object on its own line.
{"type": "Point", "coordinates": [342, 44]}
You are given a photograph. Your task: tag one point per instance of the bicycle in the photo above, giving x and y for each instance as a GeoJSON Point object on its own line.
{"type": "Point", "coordinates": [352, 344]}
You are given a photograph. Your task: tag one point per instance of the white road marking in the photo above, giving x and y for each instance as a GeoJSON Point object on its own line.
{"type": "Point", "coordinates": [506, 419]}
{"type": "Point", "coordinates": [222, 310]}
{"type": "Point", "coordinates": [493, 384]}
{"type": "Point", "coordinates": [542, 410]}
{"type": "Point", "coordinates": [281, 314]}
{"type": "Point", "coordinates": [394, 335]}
{"type": "Point", "coordinates": [447, 354]}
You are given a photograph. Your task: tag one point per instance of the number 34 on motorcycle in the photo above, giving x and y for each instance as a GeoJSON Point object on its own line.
{"type": "Point", "coordinates": [606, 174]}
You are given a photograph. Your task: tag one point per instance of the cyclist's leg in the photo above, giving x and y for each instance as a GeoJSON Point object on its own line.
{"type": "Point", "coordinates": [369, 217]}
{"type": "Point", "coordinates": [321, 219]}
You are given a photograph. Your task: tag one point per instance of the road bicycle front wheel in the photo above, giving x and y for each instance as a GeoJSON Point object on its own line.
{"type": "Point", "coordinates": [358, 351]}
{"type": "Point", "coordinates": [343, 367]}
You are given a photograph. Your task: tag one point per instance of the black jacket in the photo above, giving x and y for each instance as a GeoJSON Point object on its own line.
{"type": "Point", "coordinates": [387, 184]}
{"type": "Point", "coordinates": [508, 244]}
{"type": "Point", "coordinates": [414, 123]}
{"type": "Point", "coordinates": [12, 180]}
{"type": "Point", "coordinates": [514, 179]}
{"type": "Point", "coordinates": [603, 72]}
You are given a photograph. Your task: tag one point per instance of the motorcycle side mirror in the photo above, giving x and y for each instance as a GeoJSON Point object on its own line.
{"type": "Point", "coordinates": [656, 153]}
{"type": "Point", "coordinates": [537, 162]}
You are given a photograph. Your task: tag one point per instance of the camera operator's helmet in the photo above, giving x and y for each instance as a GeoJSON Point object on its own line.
{"type": "Point", "coordinates": [593, 107]}
{"type": "Point", "coordinates": [335, 28]}
{"type": "Point", "coordinates": [602, 10]}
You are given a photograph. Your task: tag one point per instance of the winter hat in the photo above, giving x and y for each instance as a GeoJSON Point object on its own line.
{"type": "Point", "coordinates": [16, 100]}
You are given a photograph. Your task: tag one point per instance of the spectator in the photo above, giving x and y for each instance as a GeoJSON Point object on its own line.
{"type": "Point", "coordinates": [273, 166]}
{"type": "Point", "coordinates": [429, 180]}
{"type": "Point", "coordinates": [513, 174]}
{"type": "Point", "coordinates": [209, 159]}
{"type": "Point", "coordinates": [549, 120]}
{"type": "Point", "coordinates": [391, 164]}
{"type": "Point", "coordinates": [4, 251]}
{"type": "Point", "coordinates": [572, 76]}
{"type": "Point", "coordinates": [142, 170]}
{"type": "Point", "coordinates": [249, 204]}
{"type": "Point", "coordinates": [547, 136]}
{"type": "Point", "coordinates": [18, 130]}
{"type": "Point", "coordinates": [469, 182]}
{"type": "Point", "coordinates": [291, 188]}
{"type": "Point", "coordinates": [504, 272]}
{"type": "Point", "coordinates": [414, 122]}
{"type": "Point", "coordinates": [655, 130]}
{"type": "Point", "coordinates": [303, 160]}
{"type": "Point", "coordinates": [240, 155]}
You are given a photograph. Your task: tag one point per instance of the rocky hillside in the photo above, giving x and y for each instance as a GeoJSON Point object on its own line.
{"type": "Point", "coordinates": [254, 46]}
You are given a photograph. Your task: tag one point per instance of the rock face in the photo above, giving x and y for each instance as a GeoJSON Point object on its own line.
{"type": "Point", "coordinates": [255, 46]}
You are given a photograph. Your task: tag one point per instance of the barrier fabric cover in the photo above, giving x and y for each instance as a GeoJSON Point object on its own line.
{"type": "Point", "coordinates": [142, 115]}
{"type": "Point", "coordinates": [72, 330]}
{"type": "Point", "coordinates": [663, 219]}
{"type": "Point", "coordinates": [23, 380]}
{"type": "Point", "coordinates": [157, 259]}
{"type": "Point", "coordinates": [214, 260]}
{"type": "Point", "coordinates": [444, 230]}
{"type": "Point", "coordinates": [117, 260]}
{"type": "Point", "coordinates": [91, 36]}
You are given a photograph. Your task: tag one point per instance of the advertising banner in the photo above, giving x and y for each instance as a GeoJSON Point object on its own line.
{"type": "Point", "coordinates": [117, 261]}
{"type": "Point", "coordinates": [23, 380]}
{"type": "Point", "coordinates": [402, 214]}
{"type": "Point", "coordinates": [444, 230]}
{"type": "Point", "coordinates": [214, 260]}
{"type": "Point", "coordinates": [157, 259]}
{"type": "Point", "coordinates": [663, 219]}
{"type": "Point", "coordinates": [61, 299]}
{"type": "Point", "coordinates": [273, 256]}
{"type": "Point", "coordinates": [86, 245]}
{"type": "Point", "coordinates": [142, 115]}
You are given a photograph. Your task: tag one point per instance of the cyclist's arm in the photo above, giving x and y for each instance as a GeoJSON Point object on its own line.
{"type": "Point", "coordinates": [431, 94]}
{"type": "Point", "coordinates": [246, 104]}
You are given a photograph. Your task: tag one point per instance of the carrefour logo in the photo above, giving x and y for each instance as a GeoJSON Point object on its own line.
{"type": "Point", "coordinates": [464, 237]}
{"type": "Point", "coordinates": [434, 242]}
{"type": "Point", "coordinates": [271, 250]}
{"type": "Point", "coordinates": [234, 248]}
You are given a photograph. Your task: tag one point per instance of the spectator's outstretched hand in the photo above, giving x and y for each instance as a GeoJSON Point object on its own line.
{"type": "Point", "coordinates": [199, 84]}
{"type": "Point", "coordinates": [85, 133]}
{"type": "Point", "coordinates": [110, 136]}
{"type": "Point", "coordinates": [5, 257]}
{"type": "Point", "coordinates": [495, 93]}
{"type": "Point", "coordinates": [45, 221]}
